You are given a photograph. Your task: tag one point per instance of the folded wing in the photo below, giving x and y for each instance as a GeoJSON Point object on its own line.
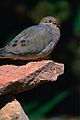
{"type": "Point", "coordinates": [31, 40]}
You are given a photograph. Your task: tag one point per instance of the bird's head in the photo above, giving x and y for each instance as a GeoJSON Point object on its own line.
{"type": "Point", "coordinates": [51, 21]}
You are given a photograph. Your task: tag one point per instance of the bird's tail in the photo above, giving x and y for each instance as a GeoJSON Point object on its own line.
{"type": "Point", "coordinates": [2, 53]}
{"type": "Point", "coordinates": [5, 54]}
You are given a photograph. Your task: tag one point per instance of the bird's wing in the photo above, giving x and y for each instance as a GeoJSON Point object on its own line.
{"type": "Point", "coordinates": [32, 40]}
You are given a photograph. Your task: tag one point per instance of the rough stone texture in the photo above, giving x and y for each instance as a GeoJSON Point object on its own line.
{"type": "Point", "coordinates": [12, 111]}
{"type": "Point", "coordinates": [16, 79]}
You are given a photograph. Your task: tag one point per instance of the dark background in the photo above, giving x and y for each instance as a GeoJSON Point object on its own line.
{"type": "Point", "coordinates": [61, 98]}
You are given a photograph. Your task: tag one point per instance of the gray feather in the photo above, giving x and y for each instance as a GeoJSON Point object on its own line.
{"type": "Point", "coordinates": [36, 39]}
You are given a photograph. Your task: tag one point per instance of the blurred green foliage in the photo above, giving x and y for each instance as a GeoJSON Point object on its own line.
{"type": "Point", "coordinates": [63, 10]}
{"type": "Point", "coordinates": [42, 9]}
{"type": "Point", "coordinates": [76, 25]}
{"type": "Point", "coordinates": [58, 9]}
{"type": "Point", "coordinates": [44, 108]}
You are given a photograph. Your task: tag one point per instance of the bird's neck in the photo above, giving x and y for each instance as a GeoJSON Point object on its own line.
{"type": "Point", "coordinates": [49, 27]}
{"type": "Point", "coordinates": [43, 25]}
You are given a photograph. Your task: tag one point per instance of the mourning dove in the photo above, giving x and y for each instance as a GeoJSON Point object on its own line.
{"type": "Point", "coordinates": [33, 43]}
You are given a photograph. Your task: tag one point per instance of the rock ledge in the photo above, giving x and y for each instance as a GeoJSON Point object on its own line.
{"type": "Point", "coordinates": [16, 79]}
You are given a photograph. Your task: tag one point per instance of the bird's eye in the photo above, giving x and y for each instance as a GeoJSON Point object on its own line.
{"type": "Point", "coordinates": [50, 21]}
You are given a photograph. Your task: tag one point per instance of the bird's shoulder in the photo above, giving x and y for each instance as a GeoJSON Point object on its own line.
{"type": "Point", "coordinates": [31, 30]}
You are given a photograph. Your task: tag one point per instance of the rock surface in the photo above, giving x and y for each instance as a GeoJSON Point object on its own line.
{"type": "Point", "coordinates": [16, 79]}
{"type": "Point", "coordinates": [13, 111]}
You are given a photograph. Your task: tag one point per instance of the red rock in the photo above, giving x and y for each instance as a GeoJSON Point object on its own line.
{"type": "Point", "coordinates": [15, 79]}
{"type": "Point", "coordinates": [12, 111]}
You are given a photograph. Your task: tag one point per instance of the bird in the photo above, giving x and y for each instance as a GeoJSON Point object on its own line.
{"type": "Point", "coordinates": [33, 43]}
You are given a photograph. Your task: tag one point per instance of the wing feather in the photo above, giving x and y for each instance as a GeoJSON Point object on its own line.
{"type": "Point", "coordinates": [31, 40]}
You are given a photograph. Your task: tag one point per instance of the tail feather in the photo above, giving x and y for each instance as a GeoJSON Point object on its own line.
{"type": "Point", "coordinates": [6, 54]}
{"type": "Point", "coordinates": [2, 53]}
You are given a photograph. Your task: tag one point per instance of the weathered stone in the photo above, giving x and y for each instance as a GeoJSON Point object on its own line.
{"type": "Point", "coordinates": [13, 111]}
{"type": "Point", "coordinates": [16, 79]}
